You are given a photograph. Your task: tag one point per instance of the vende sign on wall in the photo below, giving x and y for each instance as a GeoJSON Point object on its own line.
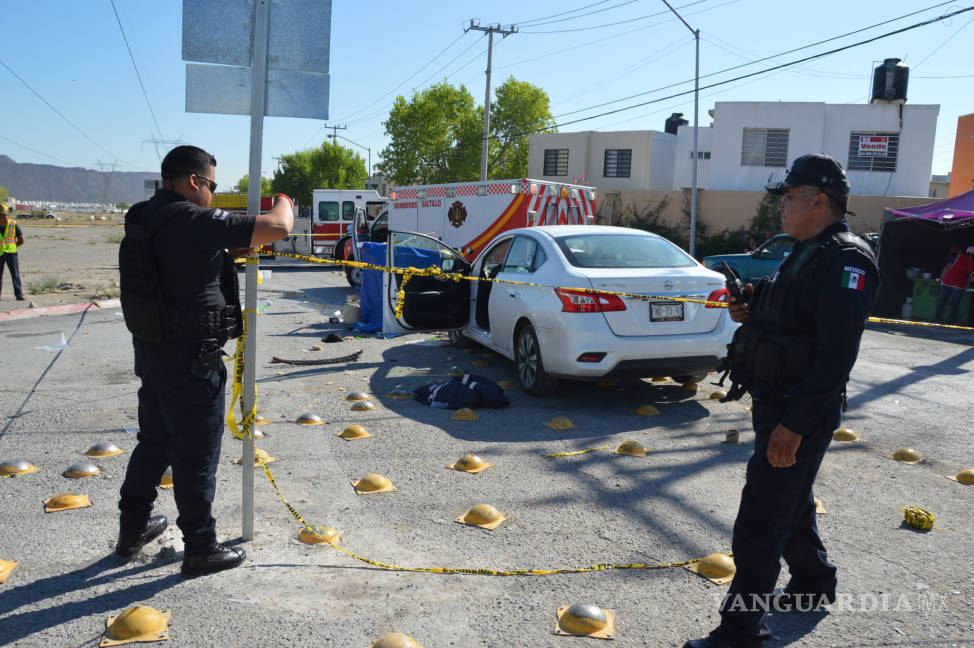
{"type": "Point", "coordinates": [877, 145]}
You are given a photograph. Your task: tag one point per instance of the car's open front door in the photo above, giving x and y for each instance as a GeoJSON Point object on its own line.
{"type": "Point", "coordinates": [429, 303]}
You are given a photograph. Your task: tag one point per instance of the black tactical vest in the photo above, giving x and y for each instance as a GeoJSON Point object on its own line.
{"type": "Point", "coordinates": [147, 314]}
{"type": "Point", "coordinates": [774, 347]}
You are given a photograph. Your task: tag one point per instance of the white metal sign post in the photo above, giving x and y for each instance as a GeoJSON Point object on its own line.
{"type": "Point", "coordinates": [282, 81]}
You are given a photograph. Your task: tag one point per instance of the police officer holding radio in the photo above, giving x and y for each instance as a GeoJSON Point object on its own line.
{"type": "Point", "coordinates": [797, 343]}
{"type": "Point", "coordinates": [181, 302]}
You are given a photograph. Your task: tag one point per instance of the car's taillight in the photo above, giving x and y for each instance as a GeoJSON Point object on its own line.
{"type": "Point", "coordinates": [721, 295]}
{"type": "Point", "coordinates": [583, 301]}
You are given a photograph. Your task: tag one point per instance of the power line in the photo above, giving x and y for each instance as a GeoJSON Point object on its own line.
{"type": "Point", "coordinates": [765, 71]}
{"type": "Point", "coordinates": [139, 76]}
{"type": "Point", "coordinates": [24, 146]}
{"type": "Point", "coordinates": [760, 60]}
{"type": "Point", "coordinates": [59, 113]}
{"type": "Point", "coordinates": [612, 24]}
{"type": "Point", "coordinates": [549, 22]}
{"type": "Point", "coordinates": [939, 47]}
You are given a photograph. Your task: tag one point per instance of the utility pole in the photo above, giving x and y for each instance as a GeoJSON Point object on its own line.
{"type": "Point", "coordinates": [334, 129]}
{"type": "Point", "coordinates": [490, 47]}
{"type": "Point", "coordinates": [696, 128]}
{"type": "Point", "coordinates": [107, 168]}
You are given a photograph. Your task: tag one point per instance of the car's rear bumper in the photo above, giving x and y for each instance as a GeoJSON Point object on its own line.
{"type": "Point", "coordinates": [633, 356]}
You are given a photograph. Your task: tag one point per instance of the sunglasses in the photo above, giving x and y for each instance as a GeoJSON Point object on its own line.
{"type": "Point", "coordinates": [209, 183]}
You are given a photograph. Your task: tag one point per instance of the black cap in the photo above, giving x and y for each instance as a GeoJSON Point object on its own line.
{"type": "Point", "coordinates": [817, 170]}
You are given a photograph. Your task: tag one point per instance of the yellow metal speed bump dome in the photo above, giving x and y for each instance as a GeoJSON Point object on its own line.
{"type": "Point", "coordinates": [484, 516]}
{"type": "Point", "coordinates": [647, 410]}
{"type": "Point", "coordinates": [166, 480]}
{"type": "Point", "coordinates": [907, 456]}
{"type": "Point", "coordinates": [399, 394]}
{"type": "Point", "coordinates": [560, 423]}
{"type": "Point", "coordinates": [356, 396]}
{"type": "Point", "coordinates": [363, 406]}
{"type": "Point", "coordinates": [631, 447]}
{"type": "Point", "coordinates": [104, 449]}
{"type": "Point", "coordinates": [261, 420]}
{"type": "Point", "coordinates": [309, 419]}
{"type": "Point", "coordinates": [353, 432]}
{"type": "Point", "coordinates": [690, 386]}
{"type": "Point", "coordinates": [317, 535]}
{"type": "Point", "coordinates": [717, 395]}
{"type": "Point", "coordinates": [81, 469]}
{"type": "Point", "coordinates": [965, 476]}
{"type": "Point", "coordinates": [585, 620]}
{"type": "Point", "coordinates": [845, 434]}
{"type": "Point", "coordinates": [465, 414]}
{"type": "Point", "coordinates": [505, 384]}
{"type": "Point", "coordinates": [258, 455]}
{"type": "Point", "coordinates": [66, 501]}
{"type": "Point", "coordinates": [6, 566]}
{"type": "Point", "coordinates": [373, 483]}
{"type": "Point", "coordinates": [395, 640]}
{"type": "Point", "coordinates": [17, 467]}
{"type": "Point", "coordinates": [716, 567]}
{"type": "Point", "coordinates": [470, 463]}
{"type": "Point", "coordinates": [136, 624]}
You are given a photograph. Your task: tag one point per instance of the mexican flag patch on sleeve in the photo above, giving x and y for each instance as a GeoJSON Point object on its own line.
{"type": "Point", "coordinates": [854, 278]}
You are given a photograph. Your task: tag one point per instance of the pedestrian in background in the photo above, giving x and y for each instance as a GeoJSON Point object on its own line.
{"type": "Point", "coordinates": [181, 301]}
{"type": "Point", "coordinates": [798, 340]}
{"type": "Point", "coordinates": [953, 281]}
{"type": "Point", "coordinates": [13, 238]}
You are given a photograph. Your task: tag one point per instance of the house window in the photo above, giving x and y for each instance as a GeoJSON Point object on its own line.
{"type": "Point", "coordinates": [873, 151]}
{"type": "Point", "coordinates": [555, 162]}
{"type": "Point", "coordinates": [618, 163]}
{"type": "Point", "coordinates": [701, 155]}
{"type": "Point", "coordinates": [765, 147]}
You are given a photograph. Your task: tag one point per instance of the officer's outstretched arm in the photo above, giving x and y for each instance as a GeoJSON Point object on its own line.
{"type": "Point", "coordinates": [275, 224]}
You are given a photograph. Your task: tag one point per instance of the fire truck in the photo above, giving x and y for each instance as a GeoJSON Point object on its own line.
{"type": "Point", "coordinates": [468, 215]}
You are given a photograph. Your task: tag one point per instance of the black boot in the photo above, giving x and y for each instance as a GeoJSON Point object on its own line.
{"type": "Point", "coordinates": [223, 557]}
{"type": "Point", "coordinates": [129, 544]}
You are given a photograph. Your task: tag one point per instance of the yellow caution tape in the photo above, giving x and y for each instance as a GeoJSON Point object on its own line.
{"type": "Point", "coordinates": [434, 271]}
{"type": "Point", "coordinates": [918, 518]}
{"type": "Point", "coordinates": [576, 452]}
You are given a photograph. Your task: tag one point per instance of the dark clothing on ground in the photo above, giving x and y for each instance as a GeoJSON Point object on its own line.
{"type": "Point", "coordinates": [182, 401]}
{"type": "Point", "coordinates": [11, 261]}
{"type": "Point", "coordinates": [777, 515]}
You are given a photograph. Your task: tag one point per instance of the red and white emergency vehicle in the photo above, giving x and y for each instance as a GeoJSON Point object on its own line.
{"type": "Point", "coordinates": [237, 203]}
{"type": "Point", "coordinates": [332, 214]}
{"type": "Point", "coordinates": [468, 215]}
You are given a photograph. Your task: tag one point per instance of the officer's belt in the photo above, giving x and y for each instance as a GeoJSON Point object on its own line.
{"type": "Point", "coordinates": [195, 324]}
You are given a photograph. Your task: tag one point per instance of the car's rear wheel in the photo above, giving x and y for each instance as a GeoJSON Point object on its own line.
{"type": "Point", "coordinates": [530, 368]}
{"type": "Point", "coordinates": [694, 378]}
{"type": "Point", "coordinates": [458, 339]}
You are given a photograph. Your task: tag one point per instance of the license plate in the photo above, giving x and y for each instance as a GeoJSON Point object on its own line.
{"type": "Point", "coordinates": [666, 311]}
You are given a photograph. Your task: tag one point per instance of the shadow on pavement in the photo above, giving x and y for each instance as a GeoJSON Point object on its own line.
{"type": "Point", "coordinates": [20, 625]}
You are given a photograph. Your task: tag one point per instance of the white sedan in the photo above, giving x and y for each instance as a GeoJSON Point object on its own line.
{"type": "Point", "coordinates": [548, 320]}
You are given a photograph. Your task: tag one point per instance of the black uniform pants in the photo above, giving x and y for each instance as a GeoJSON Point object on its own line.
{"type": "Point", "coordinates": [181, 418]}
{"type": "Point", "coordinates": [776, 520]}
{"type": "Point", "coordinates": [9, 259]}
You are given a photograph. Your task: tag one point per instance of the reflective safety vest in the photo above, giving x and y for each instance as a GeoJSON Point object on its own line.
{"type": "Point", "coordinates": [9, 237]}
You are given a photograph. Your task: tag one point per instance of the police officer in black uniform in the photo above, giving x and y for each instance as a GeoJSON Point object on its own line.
{"type": "Point", "coordinates": [798, 340]}
{"type": "Point", "coordinates": [181, 302]}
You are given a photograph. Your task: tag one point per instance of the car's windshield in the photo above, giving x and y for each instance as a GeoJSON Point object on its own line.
{"type": "Point", "coordinates": [622, 251]}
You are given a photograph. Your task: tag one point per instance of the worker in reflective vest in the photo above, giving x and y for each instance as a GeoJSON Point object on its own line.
{"type": "Point", "coordinates": [12, 238]}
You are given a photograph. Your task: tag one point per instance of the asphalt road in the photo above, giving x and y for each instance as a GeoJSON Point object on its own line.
{"type": "Point", "coordinates": [900, 587]}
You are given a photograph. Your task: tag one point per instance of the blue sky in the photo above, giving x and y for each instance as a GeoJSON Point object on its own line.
{"type": "Point", "coordinates": [73, 55]}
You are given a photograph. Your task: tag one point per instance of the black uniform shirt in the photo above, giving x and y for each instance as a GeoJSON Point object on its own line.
{"type": "Point", "coordinates": [835, 298]}
{"type": "Point", "coordinates": [190, 249]}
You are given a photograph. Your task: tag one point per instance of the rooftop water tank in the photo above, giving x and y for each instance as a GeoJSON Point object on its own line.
{"type": "Point", "coordinates": [674, 121]}
{"type": "Point", "coordinates": [889, 82]}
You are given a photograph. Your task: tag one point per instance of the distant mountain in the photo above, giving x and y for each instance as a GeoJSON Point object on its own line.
{"type": "Point", "coordinates": [47, 182]}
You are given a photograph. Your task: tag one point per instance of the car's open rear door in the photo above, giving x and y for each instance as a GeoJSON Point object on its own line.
{"type": "Point", "coordinates": [429, 303]}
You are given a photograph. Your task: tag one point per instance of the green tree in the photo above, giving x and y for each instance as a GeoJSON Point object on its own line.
{"type": "Point", "coordinates": [766, 221]}
{"type": "Point", "coordinates": [332, 166]}
{"type": "Point", "coordinates": [437, 135]}
{"type": "Point", "coordinates": [3, 194]}
{"type": "Point", "coordinates": [244, 182]}
{"type": "Point", "coordinates": [433, 137]}
{"type": "Point", "coordinates": [518, 109]}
